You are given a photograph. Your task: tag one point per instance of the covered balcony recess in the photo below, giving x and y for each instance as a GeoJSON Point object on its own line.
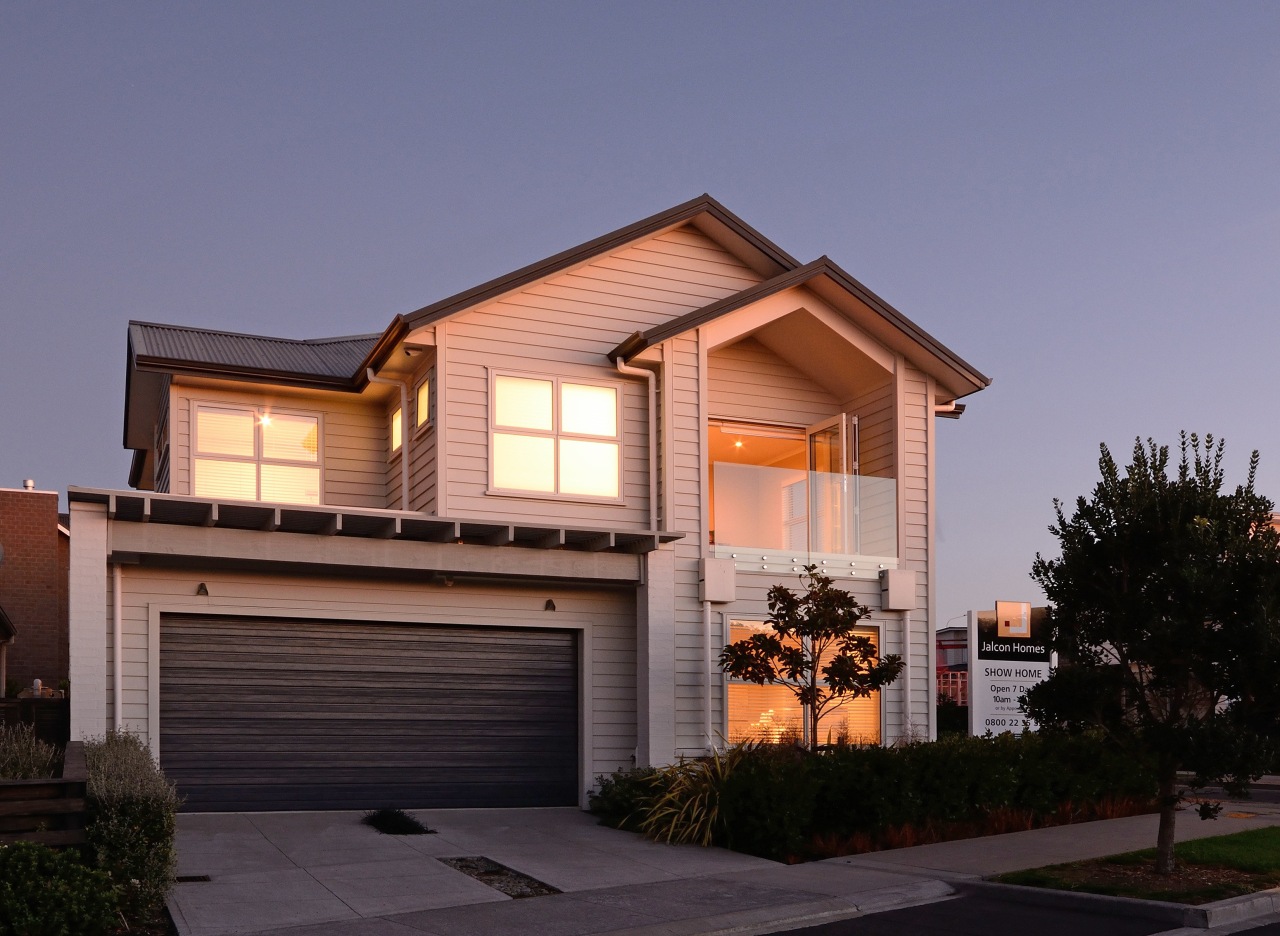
{"type": "Point", "coordinates": [783, 498]}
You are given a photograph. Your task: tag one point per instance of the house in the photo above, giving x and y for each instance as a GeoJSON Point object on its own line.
{"type": "Point", "coordinates": [492, 552]}
{"type": "Point", "coordinates": [951, 655]}
{"type": "Point", "coordinates": [34, 558]}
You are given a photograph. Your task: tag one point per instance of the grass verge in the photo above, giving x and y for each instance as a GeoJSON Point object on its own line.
{"type": "Point", "coordinates": [1206, 870]}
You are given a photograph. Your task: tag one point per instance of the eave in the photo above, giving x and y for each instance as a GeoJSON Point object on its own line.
{"type": "Point", "coordinates": [821, 275]}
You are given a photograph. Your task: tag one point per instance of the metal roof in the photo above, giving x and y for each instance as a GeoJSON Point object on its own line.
{"type": "Point", "coordinates": [338, 358]}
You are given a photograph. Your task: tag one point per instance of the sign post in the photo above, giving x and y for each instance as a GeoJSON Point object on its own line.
{"type": "Point", "coordinates": [1009, 654]}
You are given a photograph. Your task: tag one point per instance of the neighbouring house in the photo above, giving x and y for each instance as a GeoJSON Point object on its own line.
{"type": "Point", "coordinates": [34, 557]}
{"type": "Point", "coordinates": [951, 657]}
{"type": "Point", "coordinates": [492, 552]}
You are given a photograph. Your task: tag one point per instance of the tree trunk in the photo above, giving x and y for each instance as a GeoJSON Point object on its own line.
{"type": "Point", "coordinates": [1168, 817]}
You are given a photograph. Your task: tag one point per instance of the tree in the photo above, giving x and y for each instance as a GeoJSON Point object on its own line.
{"type": "Point", "coordinates": [1164, 585]}
{"type": "Point", "coordinates": [812, 649]}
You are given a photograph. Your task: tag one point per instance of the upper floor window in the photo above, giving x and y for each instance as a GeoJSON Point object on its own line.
{"type": "Point", "coordinates": [422, 402]}
{"type": "Point", "coordinates": [397, 430]}
{"type": "Point", "coordinates": [553, 436]}
{"type": "Point", "coordinates": [253, 453]}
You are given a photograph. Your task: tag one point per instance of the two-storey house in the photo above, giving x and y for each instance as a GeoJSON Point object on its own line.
{"type": "Point", "coordinates": [493, 551]}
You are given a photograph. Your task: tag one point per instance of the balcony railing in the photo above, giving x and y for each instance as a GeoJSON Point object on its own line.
{"type": "Point", "coordinates": [774, 519]}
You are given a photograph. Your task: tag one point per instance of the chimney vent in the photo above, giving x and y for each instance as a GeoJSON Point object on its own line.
{"type": "Point", "coordinates": [28, 484]}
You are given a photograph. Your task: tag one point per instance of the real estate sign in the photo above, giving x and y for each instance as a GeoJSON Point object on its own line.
{"type": "Point", "coordinates": [1009, 653]}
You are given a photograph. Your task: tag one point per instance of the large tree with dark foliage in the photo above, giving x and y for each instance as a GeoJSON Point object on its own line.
{"type": "Point", "coordinates": [813, 649]}
{"type": "Point", "coordinates": [1163, 610]}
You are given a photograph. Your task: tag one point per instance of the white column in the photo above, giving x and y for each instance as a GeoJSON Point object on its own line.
{"type": "Point", "coordinates": [87, 631]}
{"type": "Point", "coordinates": [656, 661]}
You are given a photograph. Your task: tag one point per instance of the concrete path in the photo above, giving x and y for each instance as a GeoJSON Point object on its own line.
{"type": "Point", "coordinates": [325, 874]}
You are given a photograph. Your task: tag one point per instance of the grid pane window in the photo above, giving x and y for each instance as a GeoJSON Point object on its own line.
{"type": "Point", "coordinates": [771, 713]}
{"type": "Point", "coordinates": [290, 438]}
{"type": "Point", "coordinates": [226, 432]}
{"type": "Point", "coordinates": [521, 403]}
{"type": "Point", "coordinates": [588, 410]}
{"type": "Point", "coordinates": [568, 440]}
{"type": "Point", "coordinates": [226, 479]}
{"type": "Point", "coordinates": [524, 463]}
{"type": "Point", "coordinates": [244, 453]}
{"type": "Point", "coordinates": [589, 468]}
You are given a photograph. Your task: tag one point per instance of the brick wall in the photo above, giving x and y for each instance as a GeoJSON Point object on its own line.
{"type": "Point", "coordinates": [33, 585]}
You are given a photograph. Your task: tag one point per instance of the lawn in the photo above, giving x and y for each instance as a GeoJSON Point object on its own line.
{"type": "Point", "coordinates": [1206, 870]}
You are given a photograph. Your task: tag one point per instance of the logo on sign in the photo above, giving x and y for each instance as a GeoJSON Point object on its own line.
{"type": "Point", "coordinates": [1013, 619]}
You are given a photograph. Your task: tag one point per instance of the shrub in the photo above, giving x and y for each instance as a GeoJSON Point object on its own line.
{"type": "Point", "coordinates": [48, 893]}
{"type": "Point", "coordinates": [132, 813]}
{"type": "Point", "coordinates": [787, 804]}
{"type": "Point", "coordinates": [767, 803]}
{"type": "Point", "coordinates": [622, 795]}
{"type": "Point", "coordinates": [394, 822]}
{"type": "Point", "coordinates": [23, 756]}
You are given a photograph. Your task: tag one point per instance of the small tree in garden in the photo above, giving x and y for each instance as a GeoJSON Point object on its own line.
{"type": "Point", "coordinates": [812, 649]}
{"type": "Point", "coordinates": [1164, 610]}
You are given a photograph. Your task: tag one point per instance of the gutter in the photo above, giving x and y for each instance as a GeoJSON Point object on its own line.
{"type": "Point", "coordinates": [651, 378]}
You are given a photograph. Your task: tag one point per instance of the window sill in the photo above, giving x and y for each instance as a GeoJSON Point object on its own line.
{"type": "Point", "coordinates": [556, 498]}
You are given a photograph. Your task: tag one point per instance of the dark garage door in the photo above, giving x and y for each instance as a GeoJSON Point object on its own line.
{"type": "Point", "coordinates": [259, 713]}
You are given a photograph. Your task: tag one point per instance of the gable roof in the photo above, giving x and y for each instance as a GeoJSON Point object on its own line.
{"type": "Point", "coordinates": [703, 210]}
{"type": "Point", "coordinates": [891, 322]}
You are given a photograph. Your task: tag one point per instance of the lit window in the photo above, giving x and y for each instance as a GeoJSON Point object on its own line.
{"type": "Point", "coordinates": [397, 429]}
{"type": "Point", "coordinates": [422, 403]}
{"type": "Point", "coordinates": [242, 453]}
{"type": "Point", "coordinates": [554, 436]}
{"type": "Point", "coordinates": [771, 713]}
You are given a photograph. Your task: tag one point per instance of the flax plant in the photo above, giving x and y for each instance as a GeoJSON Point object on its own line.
{"type": "Point", "coordinates": [686, 809]}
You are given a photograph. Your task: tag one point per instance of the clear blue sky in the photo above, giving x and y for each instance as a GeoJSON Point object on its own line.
{"type": "Point", "coordinates": [1079, 198]}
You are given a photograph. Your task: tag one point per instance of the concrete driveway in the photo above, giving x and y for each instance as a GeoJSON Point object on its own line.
{"type": "Point", "coordinates": [323, 874]}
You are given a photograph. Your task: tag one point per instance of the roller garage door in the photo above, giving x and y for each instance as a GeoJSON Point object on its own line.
{"type": "Point", "coordinates": [264, 713]}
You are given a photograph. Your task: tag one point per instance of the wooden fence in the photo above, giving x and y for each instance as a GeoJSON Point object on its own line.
{"type": "Point", "coordinates": [50, 812]}
{"type": "Point", "coordinates": [955, 686]}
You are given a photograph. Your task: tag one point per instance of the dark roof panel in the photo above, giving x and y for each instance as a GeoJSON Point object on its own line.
{"type": "Point", "coordinates": [337, 358]}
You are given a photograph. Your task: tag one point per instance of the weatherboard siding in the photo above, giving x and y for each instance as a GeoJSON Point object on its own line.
{"type": "Point", "coordinates": [915, 549]}
{"type": "Point", "coordinates": [605, 617]}
{"type": "Point", "coordinates": [353, 442]}
{"type": "Point", "coordinates": [750, 382]}
{"type": "Point", "coordinates": [563, 327]}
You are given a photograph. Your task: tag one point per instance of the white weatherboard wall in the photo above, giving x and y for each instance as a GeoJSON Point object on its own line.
{"type": "Point", "coordinates": [353, 441]}
{"type": "Point", "coordinates": [565, 326]}
{"type": "Point", "coordinates": [604, 617]}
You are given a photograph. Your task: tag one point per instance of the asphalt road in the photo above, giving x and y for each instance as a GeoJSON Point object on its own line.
{"type": "Point", "coordinates": [983, 916]}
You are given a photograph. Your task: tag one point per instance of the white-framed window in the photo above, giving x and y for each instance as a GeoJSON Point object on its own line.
{"type": "Point", "coordinates": [255, 453]}
{"type": "Point", "coordinates": [423, 401]}
{"type": "Point", "coordinates": [771, 713]}
{"type": "Point", "coordinates": [555, 436]}
{"type": "Point", "coordinates": [397, 430]}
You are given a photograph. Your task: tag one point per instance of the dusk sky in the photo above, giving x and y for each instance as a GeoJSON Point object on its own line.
{"type": "Point", "coordinates": [1080, 199]}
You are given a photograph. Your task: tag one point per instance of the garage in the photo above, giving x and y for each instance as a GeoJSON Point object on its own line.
{"type": "Point", "coordinates": [275, 714]}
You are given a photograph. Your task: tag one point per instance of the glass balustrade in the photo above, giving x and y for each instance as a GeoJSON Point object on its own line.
{"type": "Point", "coordinates": [771, 518]}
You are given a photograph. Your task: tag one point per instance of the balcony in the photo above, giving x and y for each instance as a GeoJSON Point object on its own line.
{"type": "Point", "coordinates": [773, 520]}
